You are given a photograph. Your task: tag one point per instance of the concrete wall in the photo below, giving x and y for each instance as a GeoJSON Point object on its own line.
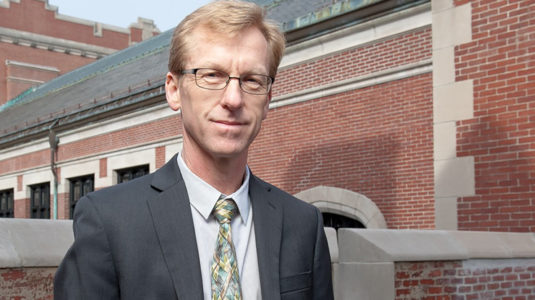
{"type": "Point", "coordinates": [30, 251]}
{"type": "Point", "coordinates": [420, 264]}
{"type": "Point", "coordinates": [373, 264]}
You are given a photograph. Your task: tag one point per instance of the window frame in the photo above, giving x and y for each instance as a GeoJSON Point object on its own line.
{"type": "Point", "coordinates": [41, 211]}
{"type": "Point", "coordinates": [133, 172]}
{"type": "Point", "coordinates": [7, 195]}
{"type": "Point", "coordinates": [87, 185]}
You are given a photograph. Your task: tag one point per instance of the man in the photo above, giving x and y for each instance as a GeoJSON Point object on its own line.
{"type": "Point", "coordinates": [204, 227]}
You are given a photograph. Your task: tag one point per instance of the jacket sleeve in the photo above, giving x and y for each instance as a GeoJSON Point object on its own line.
{"type": "Point", "coordinates": [322, 275]}
{"type": "Point", "coordinates": [87, 270]}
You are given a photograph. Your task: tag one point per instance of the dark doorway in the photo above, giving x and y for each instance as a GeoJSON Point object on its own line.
{"type": "Point", "coordinates": [337, 221]}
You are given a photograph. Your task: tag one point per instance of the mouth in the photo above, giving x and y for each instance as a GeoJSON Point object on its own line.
{"type": "Point", "coordinates": [229, 123]}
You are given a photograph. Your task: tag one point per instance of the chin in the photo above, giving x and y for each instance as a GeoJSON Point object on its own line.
{"type": "Point", "coordinates": [229, 151]}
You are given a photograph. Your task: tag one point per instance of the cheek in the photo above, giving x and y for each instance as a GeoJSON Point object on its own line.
{"type": "Point", "coordinates": [188, 102]}
{"type": "Point", "coordinates": [265, 109]}
{"type": "Point", "coordinates": [265, 112]}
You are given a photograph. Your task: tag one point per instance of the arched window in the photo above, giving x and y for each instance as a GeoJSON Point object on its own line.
{"type": "Point", "coordinates": [344, 208]}
{"type": "Point", "coordinates": [338, 221]}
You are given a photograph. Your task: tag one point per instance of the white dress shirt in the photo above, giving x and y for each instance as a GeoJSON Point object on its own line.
{"type": "Point", "coordinates": [203, 197]}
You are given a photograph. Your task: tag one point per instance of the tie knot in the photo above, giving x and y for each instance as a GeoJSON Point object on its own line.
{"type": "Point", "coordinates": [224, 210]}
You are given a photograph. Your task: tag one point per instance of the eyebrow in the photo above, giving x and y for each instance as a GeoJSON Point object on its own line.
{"type": "Point", "coordinates": [217, 66]}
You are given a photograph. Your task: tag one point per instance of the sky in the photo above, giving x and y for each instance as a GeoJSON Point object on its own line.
{"type": "Point", "coordinates": [166, 14]}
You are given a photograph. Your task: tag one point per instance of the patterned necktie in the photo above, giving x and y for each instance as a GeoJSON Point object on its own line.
{"type": "Point", "coordinates": [225, 276]}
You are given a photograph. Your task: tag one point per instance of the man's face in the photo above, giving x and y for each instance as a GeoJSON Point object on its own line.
{"type": "Point", "coordinates": [221, 123]}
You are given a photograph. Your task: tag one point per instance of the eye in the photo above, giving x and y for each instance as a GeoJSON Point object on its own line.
{"type": "Point", "coordinates": [254, 81]}
{"type": "Point", "coordinates": [210, 75]}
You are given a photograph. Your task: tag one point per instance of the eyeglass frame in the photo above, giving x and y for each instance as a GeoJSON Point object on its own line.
{"type": "Point", "coordinates": [195, 70]}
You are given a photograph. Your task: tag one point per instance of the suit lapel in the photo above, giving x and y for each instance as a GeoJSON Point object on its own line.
{"type": "Point", "coordinates": [173, 222]}
{"type": "Point", "coordinates": [267, 216]}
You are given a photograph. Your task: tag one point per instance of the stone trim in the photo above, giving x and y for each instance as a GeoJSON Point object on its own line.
{"type": "Point", "coordinates": [452, 101]}
{"type": "Point", "coordinates": [345, 202]}
{"type": "Point", "coordinates": [358, 35]}
{"type": "Point", "coordinates": [5, 3]}
{"type": "Point", "coordinates": [40, 41]}
{"type": "Point", "coordinates": [92, 129]}
{"type": "Point", "coordinates": [23, 80]}
{"type": "Point", "coordinates": [31, 66]}
{"type": "Point", "coordinates": [351, 84]}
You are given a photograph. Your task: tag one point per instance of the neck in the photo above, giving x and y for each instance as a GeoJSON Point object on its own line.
{"type": "Point", "coordinates": [224, 174]}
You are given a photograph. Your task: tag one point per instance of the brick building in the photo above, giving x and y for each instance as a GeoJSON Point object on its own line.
{"type": "Point", "coordinates": [38, 44]}
{"type": "Point", "coordinates": [406, 114]}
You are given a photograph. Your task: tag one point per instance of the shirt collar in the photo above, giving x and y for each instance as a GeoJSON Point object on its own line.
{"type": "Point", "coordinates": [203, 196]}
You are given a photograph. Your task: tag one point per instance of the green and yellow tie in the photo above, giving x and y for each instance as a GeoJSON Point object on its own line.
{"type": "Point", "coordinates": [225, 275]}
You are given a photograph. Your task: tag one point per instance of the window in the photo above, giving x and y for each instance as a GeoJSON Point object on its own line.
{"type": "Point", "coordinates": [6, 204]}
{"type": "Point", "coordinates": [40, 201]}
{"type": "Point", "coordinates": [337, 221]}
{"type": "Point", "coordinates": [344, 208]}
{"type": "Point", "coordinates": [79, 187]}
{"type": "Point", "coordinates": [128, 174]}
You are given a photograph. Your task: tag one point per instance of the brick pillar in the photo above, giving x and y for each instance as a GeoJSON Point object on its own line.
{"type": "Point", "coordinates": [160, 156]}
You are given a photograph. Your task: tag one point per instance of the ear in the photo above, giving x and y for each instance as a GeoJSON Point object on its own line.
{"type": "Point", "coordinates": [171, 91]}
{"type": "Point", "coordinates": [266, 106]}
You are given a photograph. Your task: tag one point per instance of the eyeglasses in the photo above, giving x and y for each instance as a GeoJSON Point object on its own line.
{"type": "Point", "coordinates": [212, 79]}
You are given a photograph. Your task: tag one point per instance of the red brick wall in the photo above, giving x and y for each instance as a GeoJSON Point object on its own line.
{"type": "Point", "coordinates": [136, 34]}
{"type": "Point", "coordinates": [63, 62]}
{"type": "Point", "coordinates": [64, 206]}
{"type": "Point", "coordinates": [377, 141]}
{"type": "Point", "coordinates": [22, 208]}
{"type": "Point", "coordinates": [31, 16]}
{"type": "Point", "coordinates": [136, 135]}
{"type": "Point", "coordinates": [405, 49]}
{"type": "Point", "coordinates": [19, 183]}
{"type": "Point", "coordinates": [160, 156]}
{"type": "Point", "coordinates": [103, 167]}
{"type": "Point", "coordinates": [27, 161]}
{"type": "Point", "coordinates": [27, 283]}
{"type": "Point", "coordinates": [21, 78]}
{"type": "Point", "coordinates": [501, 62]}
{"type": "Point", "coordinates": [455, 280]}
{"type": "Point", "coordinates": [435, 280]}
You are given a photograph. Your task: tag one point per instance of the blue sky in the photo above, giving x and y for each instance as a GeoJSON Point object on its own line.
{"type": "Point", "coordinates": [166, 14]}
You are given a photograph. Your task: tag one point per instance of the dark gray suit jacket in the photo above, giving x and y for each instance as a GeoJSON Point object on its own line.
{"type": "Point", "coordinates": [137, 241]}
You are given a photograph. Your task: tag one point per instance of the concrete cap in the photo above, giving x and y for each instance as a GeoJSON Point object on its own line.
{"type": "Point", "coordinates": [34, 243]}
{"type": "Point", "coordinates": [365, 245]}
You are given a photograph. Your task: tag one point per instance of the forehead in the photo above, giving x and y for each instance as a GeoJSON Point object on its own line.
{"type": "Point", "coordinates": [246, 49]}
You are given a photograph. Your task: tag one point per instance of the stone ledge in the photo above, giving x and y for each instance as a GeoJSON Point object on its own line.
{"type": "Point", "coordinates": [332, 240]}
{"type": "Point", "coordinates": [34, 243]}
{"type": "Point", "coordinates": [369, 245]}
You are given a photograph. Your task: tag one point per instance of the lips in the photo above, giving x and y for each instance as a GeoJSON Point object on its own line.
{"type": "Point", "coordinates": [229, 122]}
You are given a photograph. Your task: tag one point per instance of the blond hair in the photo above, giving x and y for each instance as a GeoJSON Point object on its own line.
{"type": "Point", "coordinates": [226, 17]}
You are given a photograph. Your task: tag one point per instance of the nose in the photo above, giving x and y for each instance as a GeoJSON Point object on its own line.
{"type": "Point", "coordinates": [232, 96]}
